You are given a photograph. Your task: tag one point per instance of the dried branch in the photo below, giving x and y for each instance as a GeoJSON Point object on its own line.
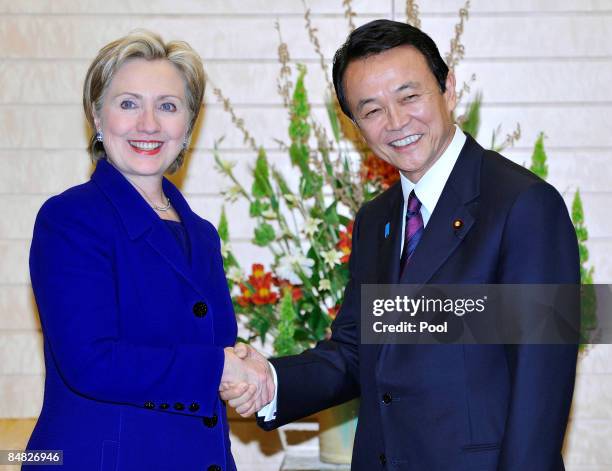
{"type": "Point", "coordinates": [283, 82]}
{"type": "Point", "coordinates": [457, 50]}
{"type": "Point", "coordinates": [314, 40]}
{"type": "Point", "coordinates": [509, 141]}
{"type": "Point", "coordinates": [236, 121]}
{"type": "Point", "coordinates": [465, 88]}
{"type": "Point", "coordinates": [349, 14]}
{"type": "Point", "coordinates": [344, 183]}
{"type": "Point", "coordinates": [412, 14]}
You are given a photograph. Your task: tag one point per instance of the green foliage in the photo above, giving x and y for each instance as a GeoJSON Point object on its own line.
{"type": "Point", "coordinates": [330, 216]}
{"type": "Point", "coordinates": [588, 298]}
{"type": "Point", "coordinates": [311, 183]}
{"type": "Point", "coordinates": [260, 321]}
{"type": "Point", "coordinates": [264, 234]}
{"type": "Point", "coordinates": [223, 228]}
{"type": "Point", "coordinates": [538, 158]}
{"type": "Point", "coordinates": [471, 123]}
{"type": "Point", "coordinates": [228, 257]}
{"type": "Point", "coordinates": [284, 344]}
{"type": "Point", "coordinates": [261, 184]}
{"type": "Point", "coordinates": [586, 274]}
{"type": "Point", "coordinates": [299, 129]}
{"type": "Point", "coordinates": [257, 207]}
{"type": "Point", "coordinates": [334, 122]}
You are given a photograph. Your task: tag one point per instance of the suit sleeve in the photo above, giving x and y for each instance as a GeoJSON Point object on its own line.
{"type": "Point", "coordinates": [328, 374]}
{"type": "Point", "coordinates": [72, 270]}
{"type": "Point", "coordinates": [539, 246]}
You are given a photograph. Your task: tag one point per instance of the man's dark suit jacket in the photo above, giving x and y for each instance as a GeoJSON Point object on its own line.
{"type": "Point", "coordinates": [455, 407]}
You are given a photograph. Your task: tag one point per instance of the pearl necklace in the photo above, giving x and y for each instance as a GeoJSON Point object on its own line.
{"type": "Point", "coordinates": [163, 208]}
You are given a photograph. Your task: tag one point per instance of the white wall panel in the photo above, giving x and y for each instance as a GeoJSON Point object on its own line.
{"type": "Point", "coordinates": [14, 266]}
{"type": "Point", "coordinates": [551, 81]}
{"type": "Point", "coordinates": [191, 7]}
{"type": "Point", "coordinates": [22, 395]}
{"type": "Point", "coordinates": [17, 308]}
{"type": "Point", "coordinates": [21, 352]}
{"type": "Point", "coordinates": [600, 250]}
{"type": "Point", "coordinates": [61, 36]}
{"type": "Point", "coordinates": [42, 171]}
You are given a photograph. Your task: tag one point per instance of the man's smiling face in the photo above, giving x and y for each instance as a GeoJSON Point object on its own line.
{"type": "Point", "coordinates": [397, 104]}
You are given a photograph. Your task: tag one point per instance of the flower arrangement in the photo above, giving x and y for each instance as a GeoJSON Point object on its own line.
{"type": "Point", "coordinates": [307, 226]}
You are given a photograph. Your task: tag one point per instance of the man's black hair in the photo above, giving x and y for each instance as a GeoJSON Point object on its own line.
{"type": "Point", "coordinates": [378, 36]}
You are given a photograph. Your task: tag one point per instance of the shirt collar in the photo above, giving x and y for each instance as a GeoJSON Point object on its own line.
{"type": "Point", "coordinates": [430, 186]}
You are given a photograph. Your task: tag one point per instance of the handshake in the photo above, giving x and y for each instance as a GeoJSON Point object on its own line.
{"type": "Point", "coordinates": [247, 382]}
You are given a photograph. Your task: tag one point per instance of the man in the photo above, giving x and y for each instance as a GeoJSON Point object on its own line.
{"type": "Point", "coordinates": [460, 214]}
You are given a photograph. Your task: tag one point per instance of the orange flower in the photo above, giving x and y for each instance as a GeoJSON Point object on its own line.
{"type": "Point", "coordinates": [375, 169]}
{"type": "Point", "coordinates": [261, 293]}
{"type": "Point", "coordinates": [296, 292]}
{"type": "Point", "coordinates": [344, 245]}
{"type": "Point", "coordinates": [246, 295]}
{"type": "Point", "coordinates": [333, 311]}
{"type": "Point", "coordinates": [264, 295]}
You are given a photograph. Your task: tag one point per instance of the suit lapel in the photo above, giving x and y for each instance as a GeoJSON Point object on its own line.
{"type": "Point", "coordinates": [162, 241]}
{"type": "Point", "coordinates": [440, 239]}
{"type": "Point", "coordinates": [389, 231]}
{"type": "Point", "coordinates": [140, 220]}
{"type": "Point", "coordinates": [202, 248]}
{"type": "Point", "coordinates": [455, 206]}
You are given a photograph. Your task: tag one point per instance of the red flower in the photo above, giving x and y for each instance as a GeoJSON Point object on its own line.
{"type": "Point", "coordinates": [333, 311]}
{"type": "Point", "coordinates": [246, 295]}
{"type": "Point", "coordinates": [346, 239]}
{"type": "Point", "coordinates": [296, 292]}
{"type": "Point", "coordinates": [374, 169]}
{"type": "Point", "coordinates": [260, 290]}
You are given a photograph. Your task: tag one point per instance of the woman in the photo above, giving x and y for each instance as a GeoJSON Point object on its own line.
{"type": "Point", "coordinates": [134, 305]}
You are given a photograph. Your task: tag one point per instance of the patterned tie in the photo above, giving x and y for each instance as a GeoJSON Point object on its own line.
{"type": "Point", "coordinates": [413, 231]}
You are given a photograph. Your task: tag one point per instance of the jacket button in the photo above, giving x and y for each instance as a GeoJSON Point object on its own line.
{"type": "Point", "coordinates": [383, 459]}
{"type": "Point", "coordinates": [164, 405]}
{"type": "Point", "coordinates": [210, 422]}
{"type": "Point", "coordinates": [200, 309]}
{"type": "Point", "coordinates": [179, 406]}
{"type": "Point", "coordinates": [386, 398]}
{"type": "Point", "coordinates": [149, 405]}
{"type": "Point", "coordinates": [194, 407]}
{"type": "Point", "coordinates": [214, 467]}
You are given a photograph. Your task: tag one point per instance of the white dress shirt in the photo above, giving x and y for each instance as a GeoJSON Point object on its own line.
{"type": "Point", "coordinates": [428, 190]}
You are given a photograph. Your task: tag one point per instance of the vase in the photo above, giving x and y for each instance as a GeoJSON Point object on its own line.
{"type": "Point", "coordinates": [337, 427]}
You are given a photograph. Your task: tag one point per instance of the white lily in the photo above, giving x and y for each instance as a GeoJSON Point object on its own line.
{"type": "Point", "coordinates": [226, 248]}
{"type": "Point", "coordinates": [227, 165]}
{"type": "Point", "coordinates": [311, 226]}
{"type": "Point", "coordinates": [269, 214]}
{"type": "Point", "coordinates": [290, 265]}
{"type": "Point", "coordinates": [332, 257]}
{"type": "Point", "coordinates": [232, 193]}
{"type": "Point", "coordinates": [324, 285]}
{"type": "Point", "coordinates": [235, 274]}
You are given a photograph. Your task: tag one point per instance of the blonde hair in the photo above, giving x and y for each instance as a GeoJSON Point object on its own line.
{"type": "Point", "coordinates": [146, 45]}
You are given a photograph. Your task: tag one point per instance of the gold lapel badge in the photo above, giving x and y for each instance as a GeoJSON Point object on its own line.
{"type": "Point", "coordinates": [457, 224]}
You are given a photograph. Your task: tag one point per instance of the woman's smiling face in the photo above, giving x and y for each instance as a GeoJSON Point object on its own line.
{"type": "Point", "coordinates": [144, 117]}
